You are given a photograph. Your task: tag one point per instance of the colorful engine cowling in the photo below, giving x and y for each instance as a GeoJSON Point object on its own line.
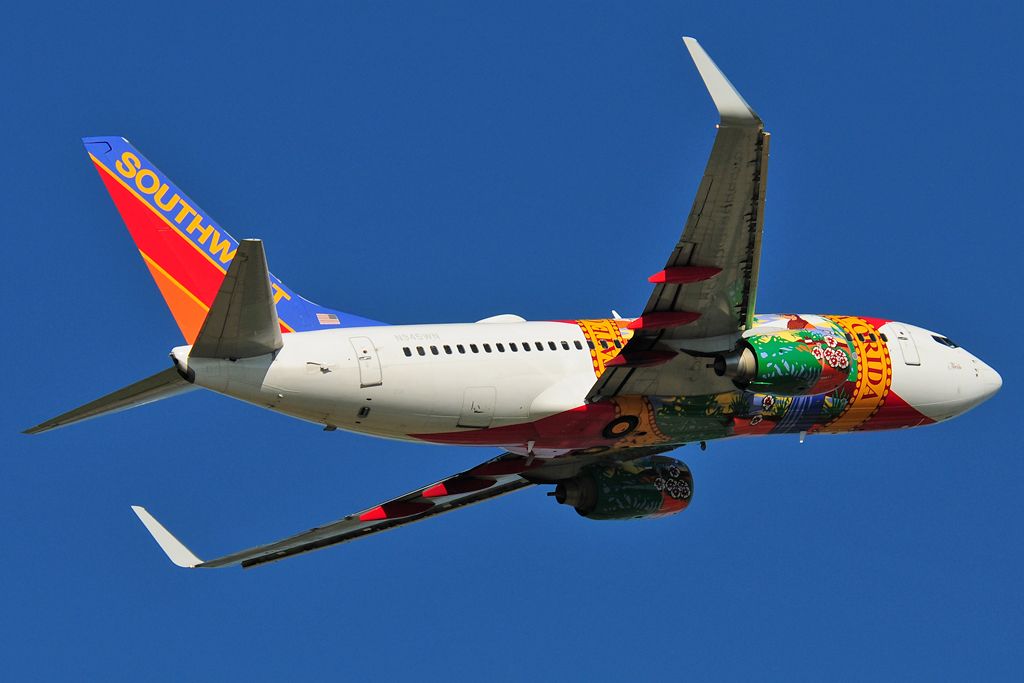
{"type": "Point", "coordinates": [789, 363]}
{"type": "Point", "coordinates": [655, 486]}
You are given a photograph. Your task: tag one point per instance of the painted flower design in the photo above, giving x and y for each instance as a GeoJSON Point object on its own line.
{"type": "Point", "coordinates": [836, 358]}
{"type": "Point", "coordinates": [831, 341]}
{"type": "Point", "coordinates": [678, 489]}
{"type": "Point", "coordinates": [817, 352]}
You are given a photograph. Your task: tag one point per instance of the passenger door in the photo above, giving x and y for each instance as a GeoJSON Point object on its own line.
{"type": "Point", "coordinates": [907, 345]}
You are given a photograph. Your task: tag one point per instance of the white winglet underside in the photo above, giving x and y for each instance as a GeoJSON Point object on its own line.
{"type": "Point", "coordinates": [175, 549]}
{"type": "Point", "coordinates": [732, 108]}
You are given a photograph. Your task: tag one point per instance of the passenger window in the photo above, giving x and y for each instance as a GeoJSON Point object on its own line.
{"type": "Point", "coordinates": [500, 347]}
{"type": "Point", "coordinates": [590, 345]}
{"type": "Point", "coordinates": [552, 346]}
{"type": "Point", "coordinates": [872, 336]}
{"type": "Point", "coordinates": [565, 345]}
{"type": "Point", "coordinates": [512, 346]}
{"type": "Point", "coordinates": [407, 351]}
{"type": "Point", "coordinates": [618, 344]}
{"type": "Point", "coordinates": [461, 348]}
{"type": "Point", "coordinates": [604, 343]}
{"type": "Point", "coordinates": [447, 349]}
{"type": "Point", "coordinates": [860, 336]}
{"type": "Point", "coordinates": [473, 348]}
{"type": "Point", "coordinates": [578, 345]}
{"type": "Point", "coordinates": [526, 346]}
{"type": "Point", "coordinates": [884, 338]}
{"type": "Point", "coordinates": [539, 346]}
{"type": "Point", "coordinates": [419, 350]}
{"type": "Point", "coordinates": [433, 350]}
{"type": "Point", "coordinates": [487, 348]}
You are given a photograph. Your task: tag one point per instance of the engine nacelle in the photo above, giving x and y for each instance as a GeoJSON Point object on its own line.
{"type": "Point", "coordinates": [790, 363]}
{"type": "Point", "coordinates": [655, 486]}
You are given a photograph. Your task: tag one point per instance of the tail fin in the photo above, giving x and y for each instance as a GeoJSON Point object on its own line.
{"type": "Point", "coordinates": [185, 250]}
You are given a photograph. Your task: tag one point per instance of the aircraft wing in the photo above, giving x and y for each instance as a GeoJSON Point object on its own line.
{"type": "Point", "coordinates": [496, 477]}
{"type": "Point", "coordinates": [703, 299]}
{"type": "Point", "coordinates": [491, 479]}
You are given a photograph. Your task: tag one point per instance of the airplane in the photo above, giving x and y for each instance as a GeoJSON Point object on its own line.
{"type": "Point", "coordinates": [589, 406]}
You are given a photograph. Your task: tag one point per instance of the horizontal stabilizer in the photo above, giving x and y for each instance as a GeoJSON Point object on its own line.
{"type": "Point", "coordinates": [732, 108]}
{"type": "Point", "coordinates": [161, 385]}
{"type": "Point", "coordinates": [175, 549]}
{"type": "Point", "coordinates": [242, 322]}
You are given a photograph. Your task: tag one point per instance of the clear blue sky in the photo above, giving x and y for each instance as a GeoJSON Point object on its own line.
{"type": "Point", "coordinates": [426, 162]}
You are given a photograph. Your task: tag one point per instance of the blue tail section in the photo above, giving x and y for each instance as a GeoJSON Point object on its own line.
{"type": "Point", "coordinates": [186, 251]}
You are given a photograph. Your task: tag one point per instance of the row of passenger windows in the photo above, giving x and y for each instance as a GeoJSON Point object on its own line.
{"type": "Point", "coordinates": [502, 347]}
{"type": "Point", "coordinates": [870, 336]}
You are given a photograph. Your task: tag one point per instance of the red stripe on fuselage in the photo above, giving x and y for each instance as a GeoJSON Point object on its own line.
{"type": "Point", "coordinates": [577, 428]}
{"type": "Point", "coordinates": [896, 413]}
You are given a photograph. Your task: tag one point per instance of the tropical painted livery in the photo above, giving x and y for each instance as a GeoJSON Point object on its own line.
{"type": "Point", "coordinates": [589, 406]}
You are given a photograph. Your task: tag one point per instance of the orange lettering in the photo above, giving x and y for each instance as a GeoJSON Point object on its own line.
{"type": "Point", "coordinates": [185, 210]}
{"type": "Point", "coordinates": [220, 248]}
{"type": "Point", "coordinates": [159, 199]}
{"type": "Point", "coordinates": [197, 224]}
{"type": "Point", "coordinates": [279, 293]}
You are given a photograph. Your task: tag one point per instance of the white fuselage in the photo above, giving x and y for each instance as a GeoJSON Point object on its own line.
{"type": "Point", "coordinates": [408, 380]}
{"type": "Point", "coordinates": [453, 376]}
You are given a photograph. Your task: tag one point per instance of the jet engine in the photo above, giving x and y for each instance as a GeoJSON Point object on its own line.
{"type": "Point", "coordinates": [790, 363]}
{"type": "Point", "coordinates": [655, 486]}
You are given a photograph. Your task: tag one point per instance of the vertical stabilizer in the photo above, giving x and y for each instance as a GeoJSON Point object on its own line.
{"type": "Point", "coordinates": [186, 251]}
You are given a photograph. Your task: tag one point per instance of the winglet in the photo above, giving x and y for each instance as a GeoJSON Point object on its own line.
{"type": "Point", "coordinates": [732, 108]}
{"type": "Point", "coordinates": [175, 549]}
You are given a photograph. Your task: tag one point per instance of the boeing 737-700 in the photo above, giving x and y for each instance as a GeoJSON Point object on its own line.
{"type": "Point", "coordinates": [588, 406]}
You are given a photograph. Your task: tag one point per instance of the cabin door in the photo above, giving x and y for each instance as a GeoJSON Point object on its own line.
{"type": "Point", "coordinates": [907, 345]}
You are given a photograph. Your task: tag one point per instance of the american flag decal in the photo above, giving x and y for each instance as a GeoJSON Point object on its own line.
{"type": "Point", "coordinates": [327, 319]}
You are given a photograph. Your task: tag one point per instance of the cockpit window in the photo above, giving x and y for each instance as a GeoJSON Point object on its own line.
{"type": "Point", "coordinates": [945, 341]}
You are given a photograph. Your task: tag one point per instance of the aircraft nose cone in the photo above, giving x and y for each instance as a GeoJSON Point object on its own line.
{"type": "Point", "coordinates": [983, 386]}
{"type": "Point", "coordinates": [975, 387]}
{"type": "Point", "coordinates": [991, 382]}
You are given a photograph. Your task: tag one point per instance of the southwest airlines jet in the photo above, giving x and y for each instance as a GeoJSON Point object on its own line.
{"type": "Point", "coordinates": [588, 406]}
